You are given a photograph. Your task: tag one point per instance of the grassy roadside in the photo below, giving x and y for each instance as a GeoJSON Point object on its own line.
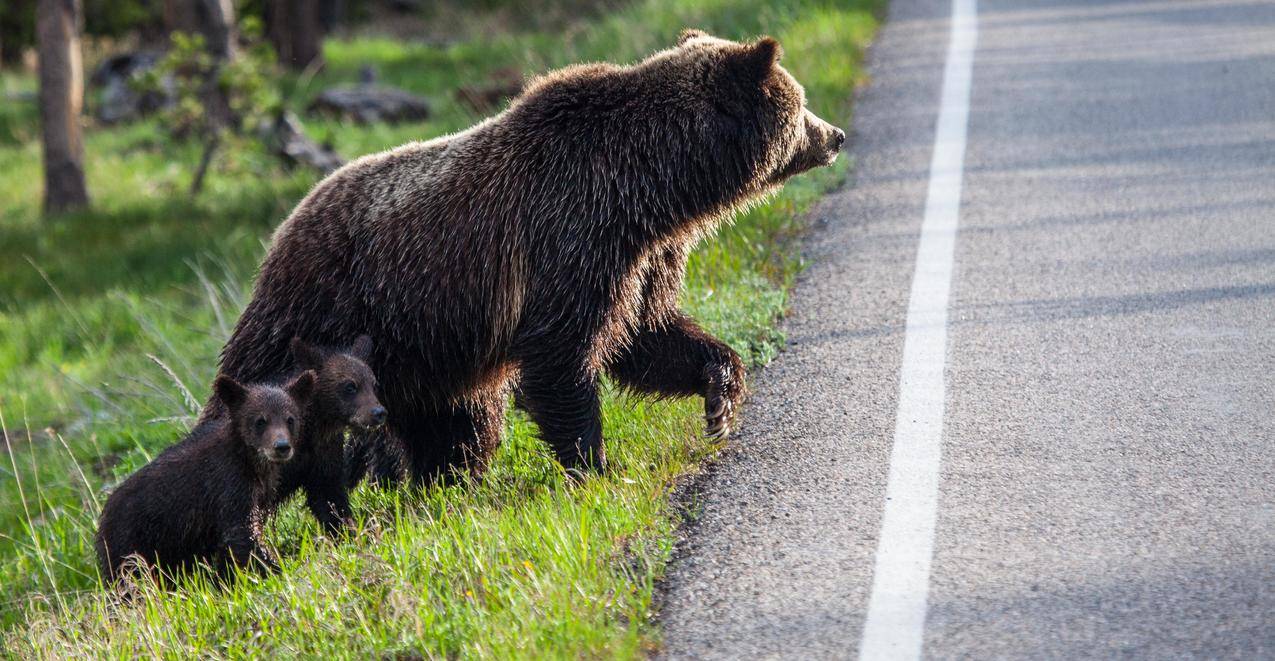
{"type": "Point", "coordinates": [119, 311]}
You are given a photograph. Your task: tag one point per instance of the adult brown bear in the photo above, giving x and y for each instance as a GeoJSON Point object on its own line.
{"type": "Point", "coordinates": [540, 249]}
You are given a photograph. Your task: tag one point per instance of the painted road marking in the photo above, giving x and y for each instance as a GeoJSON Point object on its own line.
{"type": "Point", "coordinates": [895, 623]}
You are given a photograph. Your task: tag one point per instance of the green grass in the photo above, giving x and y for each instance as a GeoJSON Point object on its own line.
{"type": "Point", "coordinates": [108, 318]}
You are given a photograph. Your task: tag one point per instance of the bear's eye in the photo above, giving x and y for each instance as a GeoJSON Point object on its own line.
{"type": "Point", "coordinates": [351, 388]}
{"type": "Point", "coordinates": [260, 424]}
{"type": "Point", "coordinates": [291, 422]}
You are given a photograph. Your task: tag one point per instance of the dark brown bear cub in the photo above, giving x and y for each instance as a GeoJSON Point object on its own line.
{"type": "Point", "coordinates": [541, 250]}
{"type": "Point", "coordinates": [344, 396]}
{"type": "Point", "coordinates": [204, 498]}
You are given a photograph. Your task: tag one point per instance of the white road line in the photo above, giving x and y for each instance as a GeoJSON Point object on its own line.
{"type": "Point", "coordinates": [895, 623]}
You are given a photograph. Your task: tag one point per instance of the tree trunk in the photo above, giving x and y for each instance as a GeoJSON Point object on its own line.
{"type": "Point", "coordinates": [295, 28]}
{"type": "Point", "coordinates": [61, 96]}
{"type": "Point", "coordinates": [278, 30]}
{"type": "Point", "coordinates": [214, 19]}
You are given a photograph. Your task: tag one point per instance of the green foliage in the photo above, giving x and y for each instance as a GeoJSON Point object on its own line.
{"type": "Point", "coordinates": [521, 564]}
{"type": "Point", "coordinates": [249, 80]}
{"type": "Point", "coordinates": [211, 98]}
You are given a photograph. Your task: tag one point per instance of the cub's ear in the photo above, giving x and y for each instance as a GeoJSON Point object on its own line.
{"type": "Point", "coordinates": [689, 34]}
{"type": "Point", "coordinates": [230, 392]}
{"type": "Point", "coordinates": [305, 355]}
{"type": "Point", "coordinates": [758, 59]}
{"type": "Point", "coordinates": [301, 387]}
{"type": "Point", "coordinates": [362, 348]}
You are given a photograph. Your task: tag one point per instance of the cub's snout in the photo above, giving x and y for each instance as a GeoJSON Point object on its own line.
{"type": "Point", "coordinates": [282, 449]}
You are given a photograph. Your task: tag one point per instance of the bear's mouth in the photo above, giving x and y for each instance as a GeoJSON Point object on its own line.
{"type": "Point", "coordinates": [278, 456]}
{"type": "Point", "coordinates": [368, 423]}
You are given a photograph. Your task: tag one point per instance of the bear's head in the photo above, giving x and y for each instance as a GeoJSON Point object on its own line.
{"type": "Point", "coordinates": [345, 390]}
{"type": "Point", "coordinates": [755, 103]}
{"type": "Point", "coordinates": [267, 418]}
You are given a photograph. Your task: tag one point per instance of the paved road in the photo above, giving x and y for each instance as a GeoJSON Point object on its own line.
{"type": "Point", "coordinates": [1107, 481]}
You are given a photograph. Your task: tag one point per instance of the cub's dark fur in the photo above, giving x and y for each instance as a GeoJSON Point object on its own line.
{"type": "Point", "coordinates": [204, 498]}
{"type": "Point", "coordinates": [344, 395]}
{"type": "Point", "coordinates": [542, 248]}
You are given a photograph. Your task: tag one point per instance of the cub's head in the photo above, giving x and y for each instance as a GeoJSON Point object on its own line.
{"type": "Point", "coordinates": [754, 112]}
{"type": "Point", "coordinates": [267, 418]}
{"type": "Point", "coordinates": [346, 388]}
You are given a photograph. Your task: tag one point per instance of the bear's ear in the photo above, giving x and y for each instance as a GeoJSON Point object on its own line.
{"type": "Point", "coordinates": [305, 355]}
{"type": "Point", "coordinates": [362, 348]}
{"type": "Point", "coordinates": [301, 388]}
{"type": "Point", "coordinates": [689, 34]}
{"type": "Point", "coordinates": [230, 392]}
{"type": "Point", "coordinates": [758, 59]}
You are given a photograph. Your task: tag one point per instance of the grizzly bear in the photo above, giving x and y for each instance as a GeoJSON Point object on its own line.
{"type": "Point", "coordinates": [344, 396]}
{"type": "Point", "coordinates": [539, 250]}
{"type": "Point", "coordinates": [204, 498]}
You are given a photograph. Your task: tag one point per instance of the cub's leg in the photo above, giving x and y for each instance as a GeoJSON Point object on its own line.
{"type": "Point", "coordinates": [325, 492]}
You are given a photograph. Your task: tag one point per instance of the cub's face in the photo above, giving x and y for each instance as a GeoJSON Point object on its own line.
{"type": "Point", "coordinates": [350, 386]}
{"type": "Point", "coordinates": [756, 102]}
{"type": "Point", "coordinates": [267, 418]}
{"type": "Point", "coordinates": [346, 385]}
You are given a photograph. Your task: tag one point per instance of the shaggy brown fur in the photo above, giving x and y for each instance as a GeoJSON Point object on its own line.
{"type": "Point", "coordinates": [344, 396]}
{"type": "Point", "coordinates": [204, 498]}
{"type": "Point", "coordinates": [541, 248]}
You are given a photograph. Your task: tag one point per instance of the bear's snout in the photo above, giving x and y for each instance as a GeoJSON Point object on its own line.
{"type": "Point", "coordinates": [825, 139]}
{"type": "Point", "coordinates": [282, 449]}
{"type": "Point", "coordinates": [838, 139]}
{"type": "Point", "coordinates": [372, 418]}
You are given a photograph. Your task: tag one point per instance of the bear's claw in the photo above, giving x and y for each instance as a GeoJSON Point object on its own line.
{"type": "Point", "coordinates": [722, 399]}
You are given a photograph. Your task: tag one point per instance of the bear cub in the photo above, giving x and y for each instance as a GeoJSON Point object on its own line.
{"type": "Point", "coordinates": [205, 498]}
{"type": "Point", "coordinates": [344, 396]}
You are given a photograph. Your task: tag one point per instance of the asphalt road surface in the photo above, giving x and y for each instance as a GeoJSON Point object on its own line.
{"type": "Point", "coordinates": [1100, 367]}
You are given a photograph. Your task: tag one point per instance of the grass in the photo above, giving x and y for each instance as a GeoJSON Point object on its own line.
{"type": "Point", "coordinates": [110, 323]}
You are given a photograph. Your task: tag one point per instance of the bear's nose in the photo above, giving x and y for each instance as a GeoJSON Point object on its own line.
{"type": "Point", "coordinates": [838, 138]}
{"type": "Point", "coordinates": [282, 446]}
{"type": "Point", "coordinates": [378, 415]}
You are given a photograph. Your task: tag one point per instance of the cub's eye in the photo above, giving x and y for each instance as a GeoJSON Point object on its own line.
{"type": "Point", "coordinates": [291, 422]}
{"type": "Point", "coordinates": [351, 388]}
{"type": "Point", "coordinates": [260, 424]}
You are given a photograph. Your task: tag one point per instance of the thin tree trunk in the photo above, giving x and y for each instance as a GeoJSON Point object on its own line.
{"type": "Point", "coordinates": [307, 34]}
{"type": "Point", "coordinates": [278, 29]}
{"type": "Point", "coordinates": [61, 96]}
{"type": "Point", "coordinates": [295, 29]}
{"type": "Point", "coordinates": [210, 146]}
{"type": "Point", "coordinates": [213, 19]}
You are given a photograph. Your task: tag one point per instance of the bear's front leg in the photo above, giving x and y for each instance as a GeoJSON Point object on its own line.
{"type": "Point", "coordinates": [563, 402]}
{"type": "Point", "coordinates": [680, 359]}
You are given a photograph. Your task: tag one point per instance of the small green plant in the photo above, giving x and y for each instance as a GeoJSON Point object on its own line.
{"type": "Point", "coordinates": [214, 100]}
